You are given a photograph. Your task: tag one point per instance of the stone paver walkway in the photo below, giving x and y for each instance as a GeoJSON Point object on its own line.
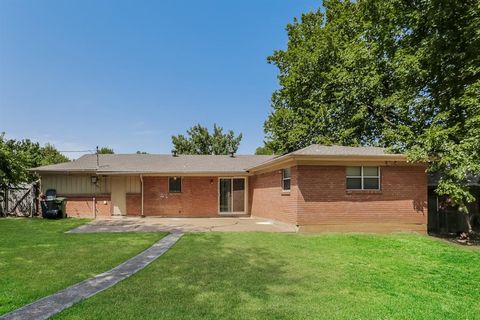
{"type": "Point", "coordinates": [53, 304]}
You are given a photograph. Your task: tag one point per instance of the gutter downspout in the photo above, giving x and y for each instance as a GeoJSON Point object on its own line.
{"type": "Point", "coordinates": [95, 188]}
{"type": "Point", "coordinates": [141, 186]}
{"type": "Point", "coordinates": [94, 202]}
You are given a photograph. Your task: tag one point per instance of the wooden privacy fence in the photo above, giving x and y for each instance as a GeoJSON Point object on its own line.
{"type": "Point", "coordinates": [19, 201]}
{"type": "Point", "coordinates": [446, 219]}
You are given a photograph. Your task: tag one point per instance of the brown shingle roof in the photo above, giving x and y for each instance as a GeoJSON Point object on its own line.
{"type": "Point", "coordinates": [154, 163]}
{"type": "Point", "coordinates": [184, 164]}
{"type": "Point", "coordinates": [318, 149]}
{"type": "Point", "coordinates": [334, 153]}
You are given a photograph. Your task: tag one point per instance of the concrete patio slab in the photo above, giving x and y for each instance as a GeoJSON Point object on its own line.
{"type": "Point", "coordinates": [153, 224]}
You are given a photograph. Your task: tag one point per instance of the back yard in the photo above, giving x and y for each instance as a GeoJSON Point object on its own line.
{"type": "Point", "coordinates": [38, 258]}
{"type": "Point", "coordinates": [278, 276]}
{"type": "Point", "coordinates": [251, 275]}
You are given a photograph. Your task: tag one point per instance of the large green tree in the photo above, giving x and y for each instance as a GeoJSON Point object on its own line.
{"type": "Point", "coordinates": [17, 156]}
{"type": "Point", "coordinates": [264, 150]}
{"type": "Point", "coordinates": [398, 74]}
{"type": "Point", "coordinates": [200, 141]}
{"type": "Point", "coordinates": [105, 150]}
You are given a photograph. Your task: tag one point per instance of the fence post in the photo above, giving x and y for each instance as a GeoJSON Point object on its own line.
{"type": "Point", "coordinates": [6, 201]}
{"type": "Point", "coordinates": [2, 203]}
{"type": "Point", "coordinates": [35, 203]}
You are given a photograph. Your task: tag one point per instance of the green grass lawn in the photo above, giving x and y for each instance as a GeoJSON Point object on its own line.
{"type": "Point", "coordinates": [38, 258]}
{"type": "Point", "coordinates": [281, 276]}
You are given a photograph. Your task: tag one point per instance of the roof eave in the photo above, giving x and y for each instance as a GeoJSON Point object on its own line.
{"type": "Point", "coordinates": [57, 171]}
{"type": "Point", "coordinates": [174, 173]}
{"type": "Point", "coordinates": [376, 157]}
{"type": "Point", "coordinates": [159, 173]}
{"type": "Point", "coordinates": [339, 158]}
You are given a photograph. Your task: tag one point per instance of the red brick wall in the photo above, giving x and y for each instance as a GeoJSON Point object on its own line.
{"type": "Point", "coordinates": [199, 197]}
{"type": "Point", "coordinates": [134, 204]}
{"type": "Point", "coordinates": [267, 199]}
{"type": "Point", "coordinates": [82, 206]}
{"type": "Point", "coordinates": [323, 198]}
{"type": "Point", "coordinates": [318, 197]}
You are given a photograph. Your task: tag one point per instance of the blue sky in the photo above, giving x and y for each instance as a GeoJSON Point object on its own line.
{"type": "Point", "coordinates": [129, 74]}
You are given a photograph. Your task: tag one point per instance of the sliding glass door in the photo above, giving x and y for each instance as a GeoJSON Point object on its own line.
{"type": "Point", "coordinates": [232, 195]}
{"type": "Point", "coordinates": [225, 195]}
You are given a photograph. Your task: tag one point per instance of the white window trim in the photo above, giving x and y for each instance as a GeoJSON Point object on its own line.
{"type": "Point", "coordinates": [362, 176]}
{"type": "Point", "coordinates": [181, 185]}
{"type": "Point", "coordinates": [283, 180]}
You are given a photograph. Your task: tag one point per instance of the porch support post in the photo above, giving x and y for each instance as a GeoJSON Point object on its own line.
{"type": "Point", "coordinates": [141, 187]}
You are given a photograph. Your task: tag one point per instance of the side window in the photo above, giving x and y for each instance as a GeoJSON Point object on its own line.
{"type": "Point", "coordinates": [371, 178]}
{"type": "Point", "coordinates": [174, 184]}
{"type": "Point", "coordinates": [363, 178]}
{"type": "Point", "coordinates": [286, 179]}
{"type": "Point", "coordinates": [354, 178]}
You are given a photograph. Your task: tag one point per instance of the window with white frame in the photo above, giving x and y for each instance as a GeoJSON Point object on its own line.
{"type": "Point", "coordinates": [175, 184]}
{"type": "Point", "coordinates": [363, 178]}
{"type": "Point", "coordinates": [286, 179]}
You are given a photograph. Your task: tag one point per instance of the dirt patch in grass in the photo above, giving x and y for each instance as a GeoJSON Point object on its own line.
{"type": "Point", "coordinates": [463, 239]}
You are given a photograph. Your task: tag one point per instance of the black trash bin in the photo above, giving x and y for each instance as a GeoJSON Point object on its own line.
{"type": "Point", "coordinates": [53, 207]}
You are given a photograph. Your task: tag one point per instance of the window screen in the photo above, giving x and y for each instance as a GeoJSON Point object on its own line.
{"type": "Point", "coordinates": [363, 178]}
{"type": "Point", "coordinates": [175, 184]}
{"type": "Point", "coordinates": [286, 179]}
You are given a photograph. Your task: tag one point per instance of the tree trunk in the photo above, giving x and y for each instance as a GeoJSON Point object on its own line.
{"type": "Point", "coordinates": [469, 224]}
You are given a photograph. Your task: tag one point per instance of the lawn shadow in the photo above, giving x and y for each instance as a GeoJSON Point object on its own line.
{"type": "Point", "coordinates": [205, 276]}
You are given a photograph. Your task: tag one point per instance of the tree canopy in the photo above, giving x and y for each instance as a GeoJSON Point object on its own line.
{"type": "Point", "coordinates": [264, 150]}
{"type": "Point", "coordinates": [200, 141]}
{"type": "Point", "coordinates": [398, 74]}
{"type": "Point", "coordinates": [105, 150]}
{"type": "Point", "coordinates": [17, 156]}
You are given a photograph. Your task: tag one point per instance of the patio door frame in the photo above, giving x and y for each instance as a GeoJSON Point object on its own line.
{"type": "Point", "coordinates": [245, 193]}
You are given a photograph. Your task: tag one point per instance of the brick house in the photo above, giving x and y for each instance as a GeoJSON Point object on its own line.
{"type": "Point", "coordinates": [317, 188]}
